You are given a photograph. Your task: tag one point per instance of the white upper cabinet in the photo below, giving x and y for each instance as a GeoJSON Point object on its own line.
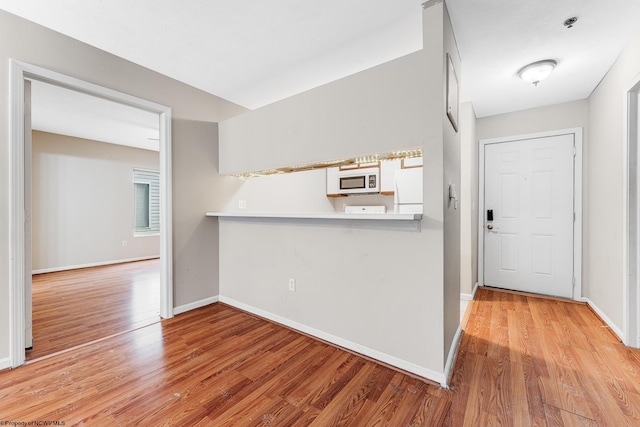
{"type": "Point", "coordinates": [412, 162]}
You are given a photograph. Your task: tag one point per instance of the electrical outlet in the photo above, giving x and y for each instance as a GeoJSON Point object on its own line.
{"type": "Point", "coordinates": [292, 285]}
{"type": "Point", "coordinates": [124, 243]}
{"type": "Point", "coordinates": [242, 204]}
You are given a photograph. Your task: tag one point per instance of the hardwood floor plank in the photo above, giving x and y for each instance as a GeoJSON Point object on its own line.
{"type": "Point", "coordinates": [610, 403]}
{"type": "Point", "coordinates": [519, 342]}
{"type": "Point", "coordinates": [350, 399]}
{"type": "Point", "coordinates": [306, 391]}
{"type": "Point", "coordinates": [561, 388]}
{"type": "Point", "coordinates": [561, 418]}
{"type": "Point", "coordinates": [431, 411]}
{"type": "Point", "coordinates": [535, 403]}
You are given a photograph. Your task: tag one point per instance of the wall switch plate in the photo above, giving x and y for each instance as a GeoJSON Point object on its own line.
{"type": "Point", "coordinates": [292, 285]}
{"type": "Point", "coordinates": [242, 204]}
{"type": "Point", "coordinates": [124, 243]}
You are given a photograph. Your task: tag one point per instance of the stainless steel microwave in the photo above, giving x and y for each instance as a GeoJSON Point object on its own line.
{"type": "Point", "coordinates": [359, 181]}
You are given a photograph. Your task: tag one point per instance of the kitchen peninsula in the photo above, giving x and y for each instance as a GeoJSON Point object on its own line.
{"type": "Point", "coordinates": [321, 215]}
{"type": "Point", "coordinates": [385, 285]}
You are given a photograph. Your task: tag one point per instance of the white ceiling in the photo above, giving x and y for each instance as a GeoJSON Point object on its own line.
{"type": "Point", "coordinates": [246, 51]}
{"type": "Point", "coordinates": [67, 112]}
{"type": "Point", "coordinates": [498, 37]}
{"type": "Point", "coordinates": [257, 52]}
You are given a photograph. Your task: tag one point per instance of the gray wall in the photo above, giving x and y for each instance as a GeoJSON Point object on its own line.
{"type": "Point", "coordinates": [377, 287]}
{"type": "Point", "coordinates": [543, 119]}
{"type": "Point", "coordinates": [313, 127]}
{"type": "Point", "coordinates": [604, 266]}
{"type": "Point", "coordinates": [37, 45]}
{"type": "Point", "coordinates": [451, 160]}
{"type": "Point", "coordinates": [197, 188]}
{"type": "Point", "coordinates": [468, 200]}
{"type": "Point", "coordinates": [83, 202]}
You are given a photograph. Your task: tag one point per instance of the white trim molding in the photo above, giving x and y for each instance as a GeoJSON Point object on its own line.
{"type": "Point", "coordinates": [577, 202]}
{"type": "Point", "coordinates": [5, 363]}
{"type": "Point", "coordinates": [631, 213]}
{"type": "Point", "coordinates": [421, 371]}
{"type": "Point", "coordinates": [471, 296]}
{"type": "Point", "coordinates": [19, 72]}
{"type": "Point", "coordinates": [453, 356]}
{"type": "Point", "coordinates": [16, 218]}
{"type": "Point", "coordinates": [614, 328]}
{"type": "Point", "coordinates": [92, 264]}
{"type": "Point", "coordinates": [194, 305]}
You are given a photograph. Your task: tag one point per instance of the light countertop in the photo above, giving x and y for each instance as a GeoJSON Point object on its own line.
{"type": "Point", "coordinates": [320, 215]}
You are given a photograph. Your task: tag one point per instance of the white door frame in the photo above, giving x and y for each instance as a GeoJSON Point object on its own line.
{"type": "Point", "coordinates": [631, 212]}
{"type": "Point", "coordinates": [577, 201]}
{"type": "Point", "coordinates": [17, 244]}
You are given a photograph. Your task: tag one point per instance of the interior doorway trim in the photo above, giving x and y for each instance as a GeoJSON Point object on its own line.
{"type": "Point", "coordinates": [17, 244]}
{"type": "Point", "coordinates": [631, 198]}
{"type": "Point", "coordinates": [577, 202]}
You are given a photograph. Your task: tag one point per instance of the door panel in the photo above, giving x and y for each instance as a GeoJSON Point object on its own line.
{"type": "Point", "coordinates": [529, 244]}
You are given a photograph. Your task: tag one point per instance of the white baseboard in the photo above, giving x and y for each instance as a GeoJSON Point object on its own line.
{"type": "Point", "coordinates": [5, 363]}
{"type": "Point", "coordinates": [93, 264]}
{"type": "Point", "coordinates": [421, 371]}
{"type": "Point", "coordinates": [196, 304]}
{"type": "Point", "coordinates": [471, 296]}
{"type": "Point", "coordinates": [451, 359]}
{"type": "Point", "coordinates": [614, 328]}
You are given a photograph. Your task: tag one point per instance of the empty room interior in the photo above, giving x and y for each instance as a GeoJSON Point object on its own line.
{"type": "Point", "coordinates": [320, 213]}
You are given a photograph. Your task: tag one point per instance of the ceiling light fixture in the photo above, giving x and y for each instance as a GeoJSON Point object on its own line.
{"type": "Point", "coordinates": [536, 72]}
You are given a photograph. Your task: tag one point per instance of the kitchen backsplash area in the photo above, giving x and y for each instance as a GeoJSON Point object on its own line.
{"type": "Point", "coordinates": [340, 203]}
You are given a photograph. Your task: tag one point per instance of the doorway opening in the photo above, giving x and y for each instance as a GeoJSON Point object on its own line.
{"type": "Point", "coordinates": [530, 216]}
{"type": "Point", "coordinates": [20, 212]}
{"type": "Point", "coordinates": [84, 151]}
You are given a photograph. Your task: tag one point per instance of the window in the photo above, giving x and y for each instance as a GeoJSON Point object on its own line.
{"type": "Point", "coordinates": [146, 202]}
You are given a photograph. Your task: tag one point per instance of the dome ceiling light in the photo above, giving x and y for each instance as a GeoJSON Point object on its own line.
{"type": "Point", "coordinates": [536, 72]}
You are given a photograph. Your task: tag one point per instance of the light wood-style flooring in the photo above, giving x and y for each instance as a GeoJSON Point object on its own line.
{"type": "Point", "coordinates": [217, 366]}
{"type": "Point", "coordinates": [530, 361]}
{"type": "Point", "coordinates": [75, 307]}
{"type": "Point", "coordinates": [522, 361]}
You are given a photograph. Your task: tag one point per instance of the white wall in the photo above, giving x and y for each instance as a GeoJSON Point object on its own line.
{"type": "Point", "coordinates": [83, 202]}
{"type": "Point", "coordinates": [377, 287]}
{"type": "Point", "coordinates": [292, 192]}
{"type": "Point", "coordinates": [468, 199]}
{"type": "Point", "coordinates": [604, 267]}
{"type": "Point", "coordinates": [193, 110]}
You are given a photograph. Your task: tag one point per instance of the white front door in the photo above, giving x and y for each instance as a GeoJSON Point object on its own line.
{"type": "Point", "coordinates": [529, 215]}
